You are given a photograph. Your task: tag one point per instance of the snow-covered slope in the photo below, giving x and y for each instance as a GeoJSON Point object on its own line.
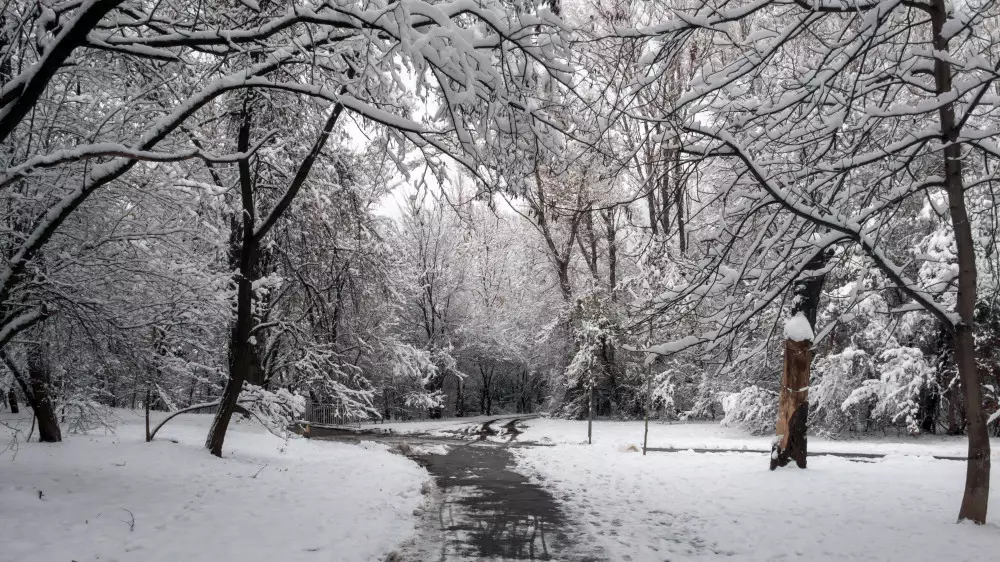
{"type": "Point", "coordinates": [115, 497]}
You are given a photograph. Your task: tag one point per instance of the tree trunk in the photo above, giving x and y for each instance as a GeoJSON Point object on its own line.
{"type": "Point", "coordinates": [651, 207]}
{"type": "Point", "coordinates": [793, 401]}
{"type": "Point", "coordinates": [929, 400]}
{"type": "Point", "coordinates": [977, 476]}
{"type": "Point", "coordinates": [12, 399]}
{"type": "Point", "coordinates": [565, 285]}
{"type": "Point", "coordinates": [793, 406]}
{"type": "Point", "coordinates": [679, 202]}
{"type": "Point", "coordinates": [241, 350]}
{"type": "Point", "coordinates": [460, 399]}
{"type": "Point", "coordinates": [41, 386]}
{"type": "Point", "coordinates": [665, 198]}
{"type": "Point", "coordinates": [611, 234]}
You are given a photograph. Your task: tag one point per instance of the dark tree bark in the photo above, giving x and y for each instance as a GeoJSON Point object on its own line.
{"type": "Point", "coordinates": [592, 236]}
{"type": "Point", "coordinates": [486, 390]}
{"type": "Point", "coordinates": [930, 398]}
{"type": "Point", "coordinates": [240, 348]}
{"type": "Point", "coordinates": [977, 476]}
{"type": "Point", "coordinates": [12, 401]}
{"type": "Point", "coordinates": [611, 235]}
{"type": "Point", "coordinates": [36, 387]}
{"type": "Point", "coordinates": [524, 392]}
{"type": "Point", "coordinates": [460, 398]}
{"type": "Point", "coordinates": [41, 389]}
{"type": "Point", "coordinates": [665, 195]}
{"type": "Point", "coordinates": [793, 401]}
{"type": "Point", "coordinates": [651, 207]}
{"type": "Point", "coordinates": [242, 355]}
{"type": "Point", "coordinates": [679, 202]}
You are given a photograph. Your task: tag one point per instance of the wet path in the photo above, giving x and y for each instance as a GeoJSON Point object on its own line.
{"type": "Point", "coordinates": [481, 508]}
{"type": "Point", "coordinates": [485, 510]}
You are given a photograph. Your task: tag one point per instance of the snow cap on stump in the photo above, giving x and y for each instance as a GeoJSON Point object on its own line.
{"type": "Point", "coordinates": [797, 328]}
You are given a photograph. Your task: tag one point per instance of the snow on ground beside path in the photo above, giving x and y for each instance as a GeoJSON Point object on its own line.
{"type": "Point", "coordinates": [711, 435]}
{"type": "Point", "coordinates": [683, 506]}
{"type": "Point", "coordinates": [267, 500]}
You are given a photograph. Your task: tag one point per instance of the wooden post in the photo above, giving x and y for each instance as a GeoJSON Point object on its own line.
{"type": "Point", "coordinates": [649, 401]}
{"type": "Point", "coordinates": [649, 392]}
{"type": "Point", "coordinates": [148, 438]}
{"type": "Point", "coordinates": [590, 414]}
{"type": "Point", "coordinates": [645, 431]}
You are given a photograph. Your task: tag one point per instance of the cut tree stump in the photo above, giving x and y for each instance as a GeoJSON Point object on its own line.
{"type": "Point", "coordinates": [793, 406]}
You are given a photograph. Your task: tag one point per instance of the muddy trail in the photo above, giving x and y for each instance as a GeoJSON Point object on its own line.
{"type": "Point", "coordinates": [480, 508]}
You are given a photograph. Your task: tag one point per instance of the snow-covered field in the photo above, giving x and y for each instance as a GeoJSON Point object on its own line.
{"type": "Point", "coordinates": [680, 506]}
{"type": "Point", "coordinates": [112, 497]}
{"type": "Point", "coordinates": [711, 435]}
{"type": "Point", "coordinates": [116, 498]}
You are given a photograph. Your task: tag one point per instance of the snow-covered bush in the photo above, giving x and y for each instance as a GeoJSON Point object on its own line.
{"type": "Point", "coordinates": [275, 410]}
{"type": "Point", "coordinates": [665, 392]}
{"type": "Point", "coordinates": [80, 414]}
{"type": "Point", "coordinates": [895, 396]}
{"type": "Point", "coordinates": [754, 409]}
{"type": "Point", "coordinates": [414, 376]}
{"type": "Point", "coordinates": [835, 377]}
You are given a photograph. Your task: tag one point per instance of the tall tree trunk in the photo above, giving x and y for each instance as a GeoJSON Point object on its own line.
{"type": "Point", "coordinates": [12, 400]}
{"type": "Point", "coordinates": [592, 234]}
{"type": "Point", "coordinates": [930, 398]}
{"type": "Point", "coordinates": [679, 202]}
{"type": "Point", "coordinates": [665, 196]}
{"type": "Point", "coordinates": [565, 285]}
{"type": "Point", "coordinates": [793, 401]}
{"type": "Point", "coordinates": [241, 350]}
{"type": "Point", "coordinates": [651, 207]}
{"type": "Point", "coordinates": [611, 234]}
{"type": "Point", "coordinates": [482, 392]}
{"type": "Point", "coordinates": [977, 476]}
{"type": "Point", "coordinates": [243, 357]}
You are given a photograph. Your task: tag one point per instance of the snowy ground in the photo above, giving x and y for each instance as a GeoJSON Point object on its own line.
{"type": "Point", "coordinates": [711, 435]}
{"type": "Point", "coordinates": [268, 500]}
{"type": "Point", "coordinates": [114, 497]}
{"type": "Point", "coordinates": [681, 506]}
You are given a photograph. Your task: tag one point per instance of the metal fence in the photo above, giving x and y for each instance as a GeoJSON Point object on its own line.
{"type": "Point", "coordinates": [330, 414]}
